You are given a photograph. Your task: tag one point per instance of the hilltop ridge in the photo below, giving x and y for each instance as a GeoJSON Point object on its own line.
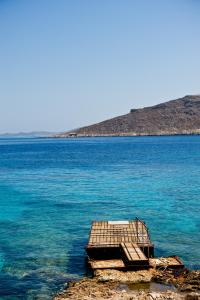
{"type": "Point", "coordinates": [179, 116]}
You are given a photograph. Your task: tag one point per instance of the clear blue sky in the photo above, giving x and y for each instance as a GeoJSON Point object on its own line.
{"type": "Point", "coordinates": [68, 63]}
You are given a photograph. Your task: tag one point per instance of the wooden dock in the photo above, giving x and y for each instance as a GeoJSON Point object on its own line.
{"type": "Point", "coordinates": [126, 242]}
{"type": "Point", "coordinates": [124, 245]}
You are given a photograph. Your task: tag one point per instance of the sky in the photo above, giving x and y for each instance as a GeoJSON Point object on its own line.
{"type": "Point", "coordinates": [69, 63]}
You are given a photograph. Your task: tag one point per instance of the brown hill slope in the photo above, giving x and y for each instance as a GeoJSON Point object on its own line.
{"type": "Point", "coordinates": [180, 116]}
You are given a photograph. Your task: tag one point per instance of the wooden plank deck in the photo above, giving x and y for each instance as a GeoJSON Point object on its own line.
{"type": "Point", "coordinates": [111, 234]}
{"type": "Point", "coordinates": [133, 254]}
{"type": "Point", "coordinates": [124, 245]}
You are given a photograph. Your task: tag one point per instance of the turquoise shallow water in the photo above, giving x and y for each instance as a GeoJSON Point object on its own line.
{"type": "Point", "coordinates": [51, 189]}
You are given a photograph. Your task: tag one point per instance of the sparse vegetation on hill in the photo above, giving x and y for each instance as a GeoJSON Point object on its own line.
{"type": "Point", "coordinates": [180, 116]}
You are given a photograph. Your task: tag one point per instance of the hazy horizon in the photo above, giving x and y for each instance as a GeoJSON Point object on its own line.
{"type": "Point", "coordinates": [68, 64]}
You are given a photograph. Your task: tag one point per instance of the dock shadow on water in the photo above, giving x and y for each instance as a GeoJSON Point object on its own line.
{"type": "Point", "coordinates": [76, 263]}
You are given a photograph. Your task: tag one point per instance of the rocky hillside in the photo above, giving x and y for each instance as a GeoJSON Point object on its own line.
{"type": "Point", "coordinates": [180, 116]}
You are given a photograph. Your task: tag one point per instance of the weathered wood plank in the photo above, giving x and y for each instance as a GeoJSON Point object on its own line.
{"type": "Point", "coordinates": [133, 253]}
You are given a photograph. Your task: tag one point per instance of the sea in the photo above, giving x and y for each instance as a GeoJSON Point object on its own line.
{"type": "Point", "coordinates": [52, 189]}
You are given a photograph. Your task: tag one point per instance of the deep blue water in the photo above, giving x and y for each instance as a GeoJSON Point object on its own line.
{"type": "Point", "coordinates": [51, 189]}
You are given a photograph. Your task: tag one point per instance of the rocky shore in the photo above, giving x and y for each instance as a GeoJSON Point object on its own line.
{"type": "Point", "coordinates": [142, 285]}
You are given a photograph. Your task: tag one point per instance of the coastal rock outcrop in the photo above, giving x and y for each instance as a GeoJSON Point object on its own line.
{"type": "Point", "coordinates": [184, 280]}
{"type": "Point", "coordinates": [113, 285]}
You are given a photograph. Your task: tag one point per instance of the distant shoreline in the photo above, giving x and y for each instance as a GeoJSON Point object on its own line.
{"type": "Point", "coordinates": [9, 137]}
{"type": "Point", "coordinates": [124, 135]}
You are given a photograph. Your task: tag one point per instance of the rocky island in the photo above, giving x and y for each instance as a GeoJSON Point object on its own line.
{"type": "Point", "coordinates": [180, 116]}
